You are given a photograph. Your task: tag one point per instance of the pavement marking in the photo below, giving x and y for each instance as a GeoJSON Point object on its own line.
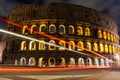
{"type": "Point", "coordinates": [48, 77]}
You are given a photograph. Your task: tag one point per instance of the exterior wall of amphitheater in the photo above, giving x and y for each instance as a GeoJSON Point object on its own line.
{"type": "Point", "coordinates": [72, 24]}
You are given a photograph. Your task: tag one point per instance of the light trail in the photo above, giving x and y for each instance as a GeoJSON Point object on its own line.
{"type": "Point", "coordinates": [49, 36]}
{"type": "Point", "coordinates": [24, 69]}
{"type": "Point", "coordinates": [37, 40]}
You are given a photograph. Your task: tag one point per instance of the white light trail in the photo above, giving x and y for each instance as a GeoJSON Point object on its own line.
{"type": "Point", "coordinates": [37, 40]}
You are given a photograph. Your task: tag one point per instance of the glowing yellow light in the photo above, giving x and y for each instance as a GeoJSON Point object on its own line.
{"type": "Point", "coordinates": [37, 40]}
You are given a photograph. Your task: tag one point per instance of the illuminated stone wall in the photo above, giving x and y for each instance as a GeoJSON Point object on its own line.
{"type": "Point", "coordinates": [78, 25]}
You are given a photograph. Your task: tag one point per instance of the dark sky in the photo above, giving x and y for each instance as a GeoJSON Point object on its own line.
{"type": "Point", "coordinates": [109, 7]}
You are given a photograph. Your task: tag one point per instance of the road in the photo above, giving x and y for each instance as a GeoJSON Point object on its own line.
{"type": "Point", "coordinates": [93, 74]}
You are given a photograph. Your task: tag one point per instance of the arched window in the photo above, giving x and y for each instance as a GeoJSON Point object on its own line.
{"type": "Point", "coordinates": [51, 47]}
{"type": "Point", "coordinates": [99, 34]}
{"type": "Point", "coordinates": [24, 30]}
{"type": "Point", "coordinates": [113, 48]}
{"type": "Point", "coordinates": [101, 47]}
{"type": "Point", "coordinates": [42, 45]}
{"type": "Point", "coordinates": [104, 35]}
{"type": "Point", "coordinates": [52, 28]}
{"type": "Point", "coordinates": [33, 27]}
{"type": "Point", "coordinates": [31, 61]}
{"type": "Point", "coordinates": [62, 44]}
{"type": "Point", "coordinates": [70, 29]}
{"type": "Point", "coordinates": [79, 30]}
{"type": "Point", "coordinates": [108, 36]}
{"type": "Point", "coordinates": [43, 28]}
{"type": "Point", "coordinates": [106, 48]}
{"type": "Point", "coordinates": [22, 61]}
{"type": "Point", "coordinates": [80, 46]}
{"type": "Point", "coordinates": [110, 49]}
{"type": "Point", "coordinates": [88, 45]}
{"type": "Point", "coordinates": [114, 38]}
{"type": "Point", "coordinates": [23, 45]}
{"type": "Point", "coordinates": [32, 45]}
{"type": "Point", "coordinates": [87, 31]}
{"type": "Point", "coordinates": [111, 37]}
{"type": "Point", "coordinates": [95, 48]}
{"type": "Point", "coordinates": [61, 29]}
{"type": "Point", "coordinates": [72, 45]}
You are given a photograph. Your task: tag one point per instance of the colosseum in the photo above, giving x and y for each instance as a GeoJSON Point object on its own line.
{"type": "Point", "coordinates": [83, 36]}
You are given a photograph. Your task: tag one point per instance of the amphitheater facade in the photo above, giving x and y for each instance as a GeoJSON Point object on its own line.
{"type": "Point", "coordinates": [80, 32]}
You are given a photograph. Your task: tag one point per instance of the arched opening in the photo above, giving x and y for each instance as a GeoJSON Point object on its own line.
{"type": "Point", "coordinates": [79, 30]}
{"type": "Point", "coordinates": [72, 62]}
{"type": "Point", "coordinates": [24, 30]}
{"type": "Point", "coordinates": [62, 44]}
{"type": "Point", "coordinates": [43, 28]}
{"type": "Point", "coordinates": [51, 62]}
{"type": "Point", "coordinates": [101, 47]}
{"type": "Point", "coordinates": [61, 29]}
{"type": "Point", "coordinates": [88, 46]}
{"type": "Point", "coordinates": [52, 28]}
{"type": "Point", "coordinates": [102, 62]}
{"type": "Point", "coordinates": [87, 31]}
{"type": "Point", "coordinates": [51, 47]}
{"type": "Point", "coordinates": [110, 49]}
{"type": "Point", "coordinates": [31, 61]}
{"type": "Point", "coordinates": [96, 62]}
{"type": "Point", "coordinates": [81, 62]}
{"type": "Point", "coordinates": [70, 29]}
{"type": "Point", "coordinates": [99, 33]}
{"type": "Point", "coordinates": [41, 62]}
{"type": "Point", "coordinates": [41, 45]}
{"type": "Point", "coordinates": [104, 35]}
{"type": "Point", "coordinates": [23, 45]}
{"type": "Point", "coordinates": [106, 48]}
{"type": "Point", "coordinates": [95, 47]}
{"type": "Point", "coordinates": [89, 61]}
{"type": "Point", "coordinates": [33, 27]}
{"type": "Point", "coordinates": [32, 45]}
{"type": "Point", "coordinates": [108, 36]}
{"type": "Point", "coordinates": [72, 45]}
{"type": "Point", "coordinates": [111, 37]}
{"type": "Point", "coordinates": [80, 46]}
{"type": "Point", "coordinates": [62, 62]}
{"type": "Point", "coordinates": [22, 61]}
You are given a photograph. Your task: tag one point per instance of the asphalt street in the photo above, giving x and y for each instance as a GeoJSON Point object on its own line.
{"type": "Point", "coordinates": [93, 74]}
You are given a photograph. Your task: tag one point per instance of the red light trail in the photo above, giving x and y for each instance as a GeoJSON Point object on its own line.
{"type": "Point", "coordinates": [24, 69]}
{"type": "Point", "coordinates": [49, 36]}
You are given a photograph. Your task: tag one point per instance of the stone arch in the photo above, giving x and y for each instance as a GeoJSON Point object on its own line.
{"type": "Point", "coordinates": [96, 61]}
{"type": "Point", "coordinates": [61, 29]}
{"type": "Point", "coordinates": [102, 62]}
{"type": "Point", "coordinates": [41, 62]}
{"type": "Point", "coordinates": [81, 62]}
{"type": "Point", "coordinates": [22, 61]}
{"type": "Point", "coordinates": [33, 27]}
{"type": "Point", "coordinates": [52, 28]}
{"type": "Point", "coordinates": [71, 45]}
{"type": "Point", "coordinates": [89, 61]}
{"type": "Point", "coordinates": [43, 28]}
{"type": "Point", "coordinates": [51, 62]}
{"type": "Point", "coordinates": [71, 62]}
{"type": "Point", "coordinates": [62, 61]}
{"type": "Point", "coordinates": [31, 61]}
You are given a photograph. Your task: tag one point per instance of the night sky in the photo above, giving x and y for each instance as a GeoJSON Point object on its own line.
{"type": "Point", "coordinates": [109, 7]}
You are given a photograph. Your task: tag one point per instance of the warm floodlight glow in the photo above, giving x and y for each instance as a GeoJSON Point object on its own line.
{"type": "Point", "coordinates": [52, 37]}
{"type": "Point", "coordinates": [37, 40]}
